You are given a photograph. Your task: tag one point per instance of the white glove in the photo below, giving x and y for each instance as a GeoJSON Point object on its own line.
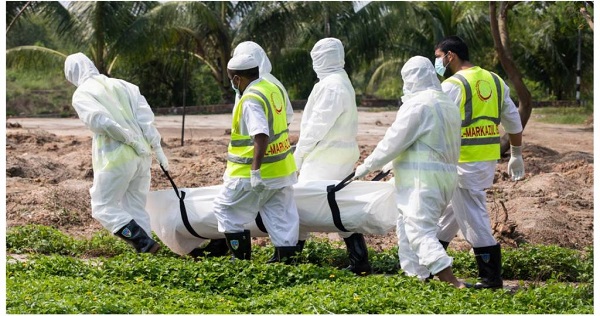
{"type": "Point", "coordinates": [299, 162]}
{"type": "Point", "coordinates": [162, 159]}
{"type": "Point", "coordinates": [388, 166]}
{"type": "Point", "coordinates": [256, 181]}
{"type": "Point", "coordinates": [360, 172]}
{"type": "Point", "coordinates": [140, 148]}
{"type": "Point", "coordinates": [516, 167]}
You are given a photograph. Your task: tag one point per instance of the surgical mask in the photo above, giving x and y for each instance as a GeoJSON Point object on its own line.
{"type": "Point", "coordinates": [440, 69]}
{"type": "Point", "coordinates": [237, 90]}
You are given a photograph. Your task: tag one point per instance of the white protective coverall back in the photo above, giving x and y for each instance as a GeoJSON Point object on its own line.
{"type": "Point", "coordinates": [264, 71]}
{"type": "Point", "coordinates": [327, 148]}
{"type": "Point", "coordinates": [424, 144]}
{"type": "Point", "coordinates": [118, 115]}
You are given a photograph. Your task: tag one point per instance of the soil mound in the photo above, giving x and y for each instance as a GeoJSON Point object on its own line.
{"type": "Point", "coordinates": [49, 177]}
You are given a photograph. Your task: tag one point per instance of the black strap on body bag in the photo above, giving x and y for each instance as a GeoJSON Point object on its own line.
{"type": "Point", "coordinates": [332, 189]}
{"type": "Point", "coordinates": [182, 210]}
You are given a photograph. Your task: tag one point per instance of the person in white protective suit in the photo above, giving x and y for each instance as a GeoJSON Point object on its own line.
{"type": "Point", "coordinates": [260, 171]}
{"type": "Point", "coordinates": [124, 138]}
{"type": "Point", "coordinates": [218, 247]}
{"type": "Point", "coordinates": [327, 148]}
{"type": "Point", "coordinates": [423, 145]}
{"type": "Point", "coordinates": [484, 100]}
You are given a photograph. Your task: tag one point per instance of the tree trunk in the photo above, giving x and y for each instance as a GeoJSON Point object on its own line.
{"type": "Point", "coordinates": [99, 38]}
{"type": "Point", "coordinates": [587, 17]}
{"type": "Point", "coordinates": [502, 45]}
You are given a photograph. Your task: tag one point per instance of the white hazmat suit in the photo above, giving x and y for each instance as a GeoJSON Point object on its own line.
{"type": "Point", "coordinates": [424, 144]}
{"type": "Point", "coordinates": [327, 148]}
{"type": "Point", "coordinates": [124, 135]}
{"type": "Point", "coordinates": [239, 200]}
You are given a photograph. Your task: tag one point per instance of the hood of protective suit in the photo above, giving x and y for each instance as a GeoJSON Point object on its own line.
{"type": "Point", "coordinates": [328, 57]}
{"type": "Point", "coordinates": [418, 75]}
{"type": "Point", "coordinates": [254, 50]}
{"type": "Point", "coordinates": [78, 68]}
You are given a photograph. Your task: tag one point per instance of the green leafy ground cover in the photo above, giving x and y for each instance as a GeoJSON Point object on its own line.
{"type": "Point", "coordinates": [102, 275]}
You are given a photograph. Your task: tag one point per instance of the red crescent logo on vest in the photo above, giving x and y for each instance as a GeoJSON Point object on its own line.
{"type": "Point", "coordinates": [484, 90]}
{"type": "Point", "coordinates": [277, 110]}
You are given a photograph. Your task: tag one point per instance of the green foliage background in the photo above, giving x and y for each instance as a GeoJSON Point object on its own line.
{"type": "Point", "coordinates": [148, 44]}
{"type": "Point", "coordinates": [103, 275]}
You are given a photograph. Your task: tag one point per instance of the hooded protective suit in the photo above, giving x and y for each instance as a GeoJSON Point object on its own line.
{"type": "Point", "coordinates": [327, 148]}
{"type": "Point", "coordinates": [121, 120]}
{"type": "Point", "coordinates": [264, 70]}
{"type": "Point", "coordinates": [424, 144]}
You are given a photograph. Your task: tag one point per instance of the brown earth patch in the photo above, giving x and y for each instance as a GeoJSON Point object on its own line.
{"type": "Point", "coordinates": [49, 174]}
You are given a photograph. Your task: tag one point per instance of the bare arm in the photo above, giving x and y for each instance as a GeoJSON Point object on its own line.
{"type": "Point", "coordinates": [260, 147]}
{"type": "Point", "coordinates": [515, 139]}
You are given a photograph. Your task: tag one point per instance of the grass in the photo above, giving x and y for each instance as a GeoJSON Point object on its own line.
{"type": "Point", "coordinates": [103, 275]}
{"type": "Point", "coordinates": [562, 115]}
{"type": "Point", "coordinates": [33, 94]}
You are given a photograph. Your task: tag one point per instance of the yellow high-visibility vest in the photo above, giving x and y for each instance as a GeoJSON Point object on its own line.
{"type": "Point", "coordinates": [278, 160]}
{"type": "Point", "coordinates": [480, 108]}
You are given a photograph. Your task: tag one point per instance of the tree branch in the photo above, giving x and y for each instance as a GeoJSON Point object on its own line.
{"type": "Point", "coordinates": [17, 16]}
{"type": "Point", "coordinates": [587, 17]}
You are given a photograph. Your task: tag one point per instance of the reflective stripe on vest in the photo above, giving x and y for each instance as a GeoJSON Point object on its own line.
{"type": "Point", "coordinates": [278, 160]}
{"type": "Point", "coordinates": [480, 111]}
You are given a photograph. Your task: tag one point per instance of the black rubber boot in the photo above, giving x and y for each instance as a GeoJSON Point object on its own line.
{"type": "Point", "coordinates": [215, 248]}
{"type": "Point", "coordinates": [287, 255]}
{"type": "Point", "coordinates": [300, 246]}
{"type": "Point", "coordinates": [489, 264]}
{"type": "Point", "coordinates": [358, 255]}
{"type": "Point", "coordinates": [276, 256]}
{"type": "Point", "coordinates": [134, 235]}
{"type": "Point", "coordinates": [239, 244]}
{"type": "Point", "coordinates": [445, 244]}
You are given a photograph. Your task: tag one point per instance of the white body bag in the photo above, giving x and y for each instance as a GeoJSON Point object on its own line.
{"type": "Point", "coordinates": [183, 219]}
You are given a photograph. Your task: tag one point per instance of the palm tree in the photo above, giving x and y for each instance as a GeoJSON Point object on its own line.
{"type": "Point", "coordinates": [415, 28]}
{"type": "Point", "coordinates": [99, 28]}
{"type": "Point", "coordinates": [288, 31]}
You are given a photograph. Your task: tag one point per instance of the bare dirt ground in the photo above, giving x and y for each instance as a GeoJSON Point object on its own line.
{"type": "Point", "coordinates": [49, 173]}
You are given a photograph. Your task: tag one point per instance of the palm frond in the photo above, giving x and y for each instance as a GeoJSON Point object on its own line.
{"type": "Point", "coordinates": [34, 58]}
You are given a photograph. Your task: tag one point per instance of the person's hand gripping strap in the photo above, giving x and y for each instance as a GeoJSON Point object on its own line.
{"type": "Point", "coordinates": [162, 159]}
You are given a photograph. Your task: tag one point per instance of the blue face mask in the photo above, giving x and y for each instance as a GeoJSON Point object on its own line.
{"type": "Point", "coordinates": [440, 69]}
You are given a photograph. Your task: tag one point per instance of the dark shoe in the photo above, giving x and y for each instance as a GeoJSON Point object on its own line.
{"type": "Point", "coordinates": [445, 244]}
{"type": "Point", "coordinates": [214, 248]}
{"type": "Point", "coordinates": [276, 256]}
{"type": "Point", "coordinates": [287, 255]}
{"type": "Point", "coordinates": [239, 244]}
{"type": "Point", "coordinates": [358, 255]}
{"type": "Point", "coordinates": [134, 235]}
{"type": "Point", "coordinates": [489, 264]}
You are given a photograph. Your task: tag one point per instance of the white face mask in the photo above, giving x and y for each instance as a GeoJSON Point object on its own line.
{"type": "Point", "coordinates": [237, 90]}
{"type": "Point", "coordinates": [440, 69]}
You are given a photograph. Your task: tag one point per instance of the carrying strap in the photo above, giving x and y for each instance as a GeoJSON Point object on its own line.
{"type": "Point", "coordinates": [335, 210]}
{"type": "Point", "coordinates": [182, 210]}
{"type": "Point", "coordinates": [332, 189]}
